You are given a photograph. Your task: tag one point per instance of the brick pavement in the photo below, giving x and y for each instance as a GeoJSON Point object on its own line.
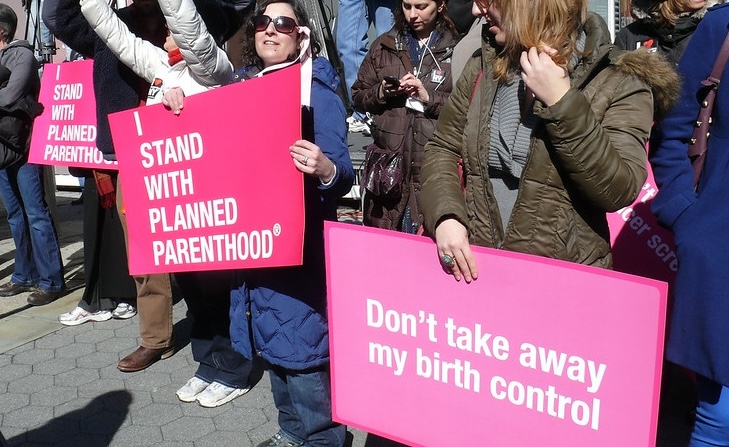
{"type": "Point", "coordinates": [59, 386]}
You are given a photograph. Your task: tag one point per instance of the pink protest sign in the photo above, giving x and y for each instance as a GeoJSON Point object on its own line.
{"type": "Point", "coordinates": [65, 133]}
{"type": "Point", "coordinates": [536, 352]}
{"type": "Point", "coordinates": [215, 187]}
{"type": "Point", "coordinates": [640, 246]}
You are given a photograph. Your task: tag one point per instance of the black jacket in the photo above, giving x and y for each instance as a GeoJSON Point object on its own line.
{"type": "Point", "coordinates": [645, 31]}
{"type": "Point", "coordinates": [19, 88]}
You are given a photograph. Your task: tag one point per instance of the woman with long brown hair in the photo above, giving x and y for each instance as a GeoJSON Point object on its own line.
{"type": "Point", "coordinates": [404, 82]}
{"type": "Point", "coordinates": [549, 123]}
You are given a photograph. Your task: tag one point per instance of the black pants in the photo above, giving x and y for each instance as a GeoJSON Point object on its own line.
{"type": "Point", "coordinates": [207, 295]}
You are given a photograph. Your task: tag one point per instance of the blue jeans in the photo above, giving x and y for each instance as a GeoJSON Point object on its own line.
{"type": "Point", "coordinates": [353, 21]}
{"type": "Point", "coordinates": [304, 403]}
{"type": "Point", "coordinates": [712, 415]}
{"type": "Point", "coordinates": [37, 254]}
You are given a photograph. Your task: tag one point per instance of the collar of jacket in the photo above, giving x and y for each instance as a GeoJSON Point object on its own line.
{"type": "Point", "coordinates": [397, 41]}
{"type": "Point", "coordinates": [597, 50]}
{"type": "Point", "coordinates": [670, 35]}
{"type": "Point", "coordinates": [18, 43]}
{"type": "Point", "coordinates": [643, 9]}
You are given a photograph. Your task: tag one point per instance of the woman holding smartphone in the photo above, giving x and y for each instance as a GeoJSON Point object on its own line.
{"type": "Point", "coordinates": [404, 81]}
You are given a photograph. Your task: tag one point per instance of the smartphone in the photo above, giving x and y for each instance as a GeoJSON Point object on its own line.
{"type": "Point", "coordinates": [393, 81]}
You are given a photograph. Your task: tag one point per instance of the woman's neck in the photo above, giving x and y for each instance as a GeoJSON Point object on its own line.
{"type": "Point", "coordinates": [423, 37]}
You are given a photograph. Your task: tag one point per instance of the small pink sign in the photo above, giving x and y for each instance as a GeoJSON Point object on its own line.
{"type": "Point", "coordinates": [65, 133]}
{"type": "Point", "coordinates": [640, 246]}
{"type": "Point", "coordinates": [536, 352]}
{"type": "Point", "coordinates": [215, 187]}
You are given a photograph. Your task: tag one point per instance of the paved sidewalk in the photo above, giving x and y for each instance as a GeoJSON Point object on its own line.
{"type": "Point", "coordinates": [59, 386]}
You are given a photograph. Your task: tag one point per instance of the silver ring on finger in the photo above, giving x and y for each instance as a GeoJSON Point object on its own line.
{"type": "Point", "coordinates": [448, 261]}
{"type": "Point", "coordinates": [305, 160]}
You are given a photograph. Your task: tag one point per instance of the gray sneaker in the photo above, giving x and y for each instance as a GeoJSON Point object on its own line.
{"type": "Point", "coordinates": [124, 311]}
{"type": "Point", "coordinates": [279, 440]}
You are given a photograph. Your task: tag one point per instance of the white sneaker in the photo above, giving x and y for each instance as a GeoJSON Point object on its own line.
{"type": "Point", "coordinates": [190, 390]}
{"type": "Point", "coordinates": [354, 125]}
{"type": "Point", "coordinates": [217, 394]}
{"type": "Point", "coordinates": [124, 311]}
{"type": "Point", "coordinates": [79, 316]}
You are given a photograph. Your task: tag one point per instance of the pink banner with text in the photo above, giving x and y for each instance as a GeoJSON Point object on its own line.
{"type": "Point", "coordinates": [640, 246]}
{"type": "Point", "coordinates": [536, 352]}
{"type": "Point", "coordinates": [215, 187]}
{"type": "Point", "coordinates": [65, 134]}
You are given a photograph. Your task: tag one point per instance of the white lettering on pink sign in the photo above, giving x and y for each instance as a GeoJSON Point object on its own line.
{"type": "Point", "coordinates": [199, 194]}
{"type": "Point", "coordinates": [570, 351]}
{"type": "Point", "coordinates": [65, 133]}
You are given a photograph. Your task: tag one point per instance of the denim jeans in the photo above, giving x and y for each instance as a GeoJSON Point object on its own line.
{"type": "Point", "coordinates": [353, 21]}
{"type": "Point", "coordinates": [37, 254]}
{"type": "Point", "coordinates": [304, 403]}
{"type": "Point", "coordinates": [712, 415]}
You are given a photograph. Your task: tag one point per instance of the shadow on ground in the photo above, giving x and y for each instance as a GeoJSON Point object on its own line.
{"type": "Point", "coordinates": [97, 422]}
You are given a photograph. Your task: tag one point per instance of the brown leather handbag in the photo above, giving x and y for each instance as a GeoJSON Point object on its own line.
{"type": "Point", "coordinates": [707, 93]}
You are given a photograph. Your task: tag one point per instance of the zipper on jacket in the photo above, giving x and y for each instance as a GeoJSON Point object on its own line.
{"type": "Point", "coordinates": [517, 203]}
{"type": "Point", "coordinates": [484, 172]}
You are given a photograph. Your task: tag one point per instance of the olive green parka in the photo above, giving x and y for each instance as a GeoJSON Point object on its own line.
{"type": "Point", "coordinates": [587, 153]}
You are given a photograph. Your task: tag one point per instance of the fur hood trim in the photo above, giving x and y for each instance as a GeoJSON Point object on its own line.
{"type": "Point", "coordinates": [643, 9]}
{"type": "Point", "coordinates": [657, 72]}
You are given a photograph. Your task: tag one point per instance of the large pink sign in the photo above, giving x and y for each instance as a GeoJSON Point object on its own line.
{"type": "Point", "coordinates": [65, 134]}
{"type": "Point", "coordinates": [215, 187]}
{"type": "Point", "coordinates": [640, 246]}
{"type": "Point", "coordinates": [536, 352]}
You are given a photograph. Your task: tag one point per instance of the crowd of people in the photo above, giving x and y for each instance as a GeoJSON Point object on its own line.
{"type": "Point", "coordinates": [515, 125]}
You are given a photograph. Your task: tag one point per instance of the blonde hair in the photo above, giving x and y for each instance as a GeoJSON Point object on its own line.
{"type": "Point", "coordinates": [536, 23]}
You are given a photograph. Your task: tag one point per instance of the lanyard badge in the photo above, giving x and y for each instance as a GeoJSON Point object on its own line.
{"type": "Point", "coordinates": [437, 76]}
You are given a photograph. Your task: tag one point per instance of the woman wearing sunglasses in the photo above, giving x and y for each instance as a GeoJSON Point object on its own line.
{"type": "Point", "coordinates": [404, 81]}
{"type": "Point", "coordinates": [549, 122]}
{"type": "Point", "coordinates": [279, 314]}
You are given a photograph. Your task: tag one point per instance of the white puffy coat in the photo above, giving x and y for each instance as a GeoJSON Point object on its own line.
{"type": "Point", "coordinates": [205, 65]}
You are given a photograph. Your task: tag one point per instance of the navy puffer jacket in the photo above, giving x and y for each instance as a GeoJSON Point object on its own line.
{"type": "Point", "coordinates": [284, 309]}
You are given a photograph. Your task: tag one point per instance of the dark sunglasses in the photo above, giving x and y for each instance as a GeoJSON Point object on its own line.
{"type": "Point", "coordinates": [282, 24]}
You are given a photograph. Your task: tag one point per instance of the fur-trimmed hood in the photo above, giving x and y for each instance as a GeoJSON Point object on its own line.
{"type": "Point", "coordinates": [643, 9]}
{"type": "Point", "coordinates": [657, 72]}
{"type": "Point", "coordinates": [651, 67]}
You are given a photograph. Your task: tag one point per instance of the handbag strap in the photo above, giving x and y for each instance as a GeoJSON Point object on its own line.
{"type": "Point", "coordinates": [700, 135]}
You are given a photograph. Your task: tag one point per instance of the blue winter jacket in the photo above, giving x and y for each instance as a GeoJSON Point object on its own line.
{"type": "Point", "coordinates": [284, 309]}
{"type": "Point", "coordinates": [699, 220]}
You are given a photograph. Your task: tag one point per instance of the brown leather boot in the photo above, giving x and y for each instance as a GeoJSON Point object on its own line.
{"type": "Point", "coordinates": [143, 358]}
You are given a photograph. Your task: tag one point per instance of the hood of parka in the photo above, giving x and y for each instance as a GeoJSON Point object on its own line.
{"type": "Point", "coordinates": [652, 68]}
{"type": "Point", "coordinates": [657, 72]}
